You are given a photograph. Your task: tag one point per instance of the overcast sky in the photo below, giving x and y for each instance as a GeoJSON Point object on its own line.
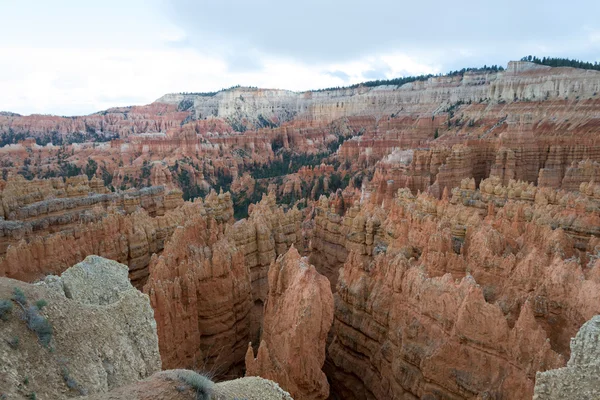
{"type": "Point", "coordinates": [73, 57]}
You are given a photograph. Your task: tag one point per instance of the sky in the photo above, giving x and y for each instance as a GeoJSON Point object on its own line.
{"type": "Point", "coordinates": [70, 57]}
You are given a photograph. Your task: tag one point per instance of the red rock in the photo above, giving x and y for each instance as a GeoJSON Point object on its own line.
{"type": "Point", "coordinates": [298, 315]}
{"type": "Point", "coordinates": [200, 290]}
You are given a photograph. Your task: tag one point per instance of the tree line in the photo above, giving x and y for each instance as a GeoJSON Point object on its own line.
{"type": "Point", "coordinates": [562, 62]}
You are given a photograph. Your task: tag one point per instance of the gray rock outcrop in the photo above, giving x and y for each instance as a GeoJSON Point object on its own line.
{"type": "Point", "coordinates": [104, 334]}
{"type": "Point", "coordinates": [580, 379]}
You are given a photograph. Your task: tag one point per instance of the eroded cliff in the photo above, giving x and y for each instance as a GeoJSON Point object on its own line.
{"type": "Point", "coordinates": [297, 319]}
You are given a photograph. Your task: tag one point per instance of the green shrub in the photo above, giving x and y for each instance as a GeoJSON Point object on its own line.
{"type": "Point", "coordinates": [39, 325]}
{"type": "Point", "coordinates": [5, 309]}
{"type": "Point", "coordinates": [40, 304]}
{"type": "Point", "coordinates": [19, 296]}
{"type": "Point", "coordinates": [202, 385]}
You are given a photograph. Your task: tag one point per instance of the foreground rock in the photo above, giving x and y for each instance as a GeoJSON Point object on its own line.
{"type": "Point", "coordinates": [298, 316]}
{"type": "Point", "coordinates": [184, 384]}
{"type": "Point", "coordinates": [103, 334]}
{"type": "Point", "coordinates": [580, 379]}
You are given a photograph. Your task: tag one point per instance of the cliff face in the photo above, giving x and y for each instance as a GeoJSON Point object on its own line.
{"type": "Point", "coordinates": [458, 297]}
{"type": "Point", "coordinates": [267, 233]}
{"type": "Point", "coordinates": [528, 123]}
{"type": "Point", "coordinates": [298, 315]}
{"type": "Point", "coordinates": [520, 81]}
{"type": "Point", "coordinates": [51, 225]}
{"type": "Point", "coordinates": [121, 122]}
{"type": "Point", "coordinates": [209, 285]}
{"type": "Point", "coordinates": [112, 233]}
{"type": "Point", "coordinates": [104, 334]}
{"type": "Point", "coordinates": [257, 107]}
{"type": "Point", "coordinates": [200, 289]}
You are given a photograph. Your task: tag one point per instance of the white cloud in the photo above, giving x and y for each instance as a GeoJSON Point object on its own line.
{"type": "Point", "coordinates": [86, 80]}
{"type": "Point", "coordinates": [81, 81]}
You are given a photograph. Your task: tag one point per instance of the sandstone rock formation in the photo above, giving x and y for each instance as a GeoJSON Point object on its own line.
{"type": "Point", "coordinates": [130, 239]}
{"type": "Point", "coordinates": [580, 379]}
{"type": "Point", "coordinates": [298, 315]}
{"type": "Point", "coordinates": [209, 284]}
{"type": "Point", "coordinates": [529, 122]}
{"type": "Point", "coordinates": [200, 289]}
{"type": "Point", "coordinates": [104, 334]}
{"type": "Point", "coordinates": [458, 297]}
{"type": "Point", "coordinates": [268, 232]}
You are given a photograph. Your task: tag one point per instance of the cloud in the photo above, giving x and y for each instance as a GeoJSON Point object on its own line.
{"type": "Point", "coordinates": [72, 81]}
{"type": "Point", "coordinates": [327, 31]}
{"type": "Point", "coordinates": [380, 70]}
{"type": "Point", "coordinates": [338, 74]}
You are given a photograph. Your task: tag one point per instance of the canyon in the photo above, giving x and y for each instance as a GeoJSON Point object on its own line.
{"type": "Point", "coordinates": [434, 240]}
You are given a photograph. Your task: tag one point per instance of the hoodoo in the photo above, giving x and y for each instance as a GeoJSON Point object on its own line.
{"type": "Point", "coordinates": [298, 316]}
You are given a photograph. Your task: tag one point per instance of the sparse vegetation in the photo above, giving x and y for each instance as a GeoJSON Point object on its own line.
{"type": "Point", "coordinates": [90, 168]}
{"type": "Point", "coordinates": [70, 382]}
{"type": "Point", "coordinates": [277, 143]}
{"type": "Point", "coordinates": [107, 177]}
{"type": "Point", "coordinates": [211, 94]}
{"type": "Point", "coordinates": [36, 322]}
{"type": "Point", "coordinates": [407, 79]}
{"type": "Point", "coordinates": [39, 325]}
{"type": "Point", "coordinates": [19, 296]}
{"type": "Point", "coordinates": [289, 163]}
{"type": "Point", "coordinates": [5, 309]}
{"type": "Point", "coordinates": [40, 304]}
{"type": "Point", "coordinates": [201, 384]}
{"type": "Point", "coordinates": [13, 342]}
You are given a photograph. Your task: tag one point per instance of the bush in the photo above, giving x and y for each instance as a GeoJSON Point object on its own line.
{"type": "Point", "coordinates": [199, 383]}
{"type": "Point", "coordinates": [5, 309]}
{"type": "Point", "coordinates": [39, 325]}
{"type": "Point", "coordinates": [14, 342]}
{"type": "Point", "coordinates": [41, 304]}
{"type": "Point", "coordinates": [70, 382]}
{"type": "Point", "coordinates": [19, 296]}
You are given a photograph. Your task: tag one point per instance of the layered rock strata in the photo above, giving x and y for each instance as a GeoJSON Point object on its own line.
{"type": "Point", "coordinates": [201, 290]}
{"type": "Point", "coordinates": [297, 319]}
{"type": "Point", "coordinates": [458, 298]}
